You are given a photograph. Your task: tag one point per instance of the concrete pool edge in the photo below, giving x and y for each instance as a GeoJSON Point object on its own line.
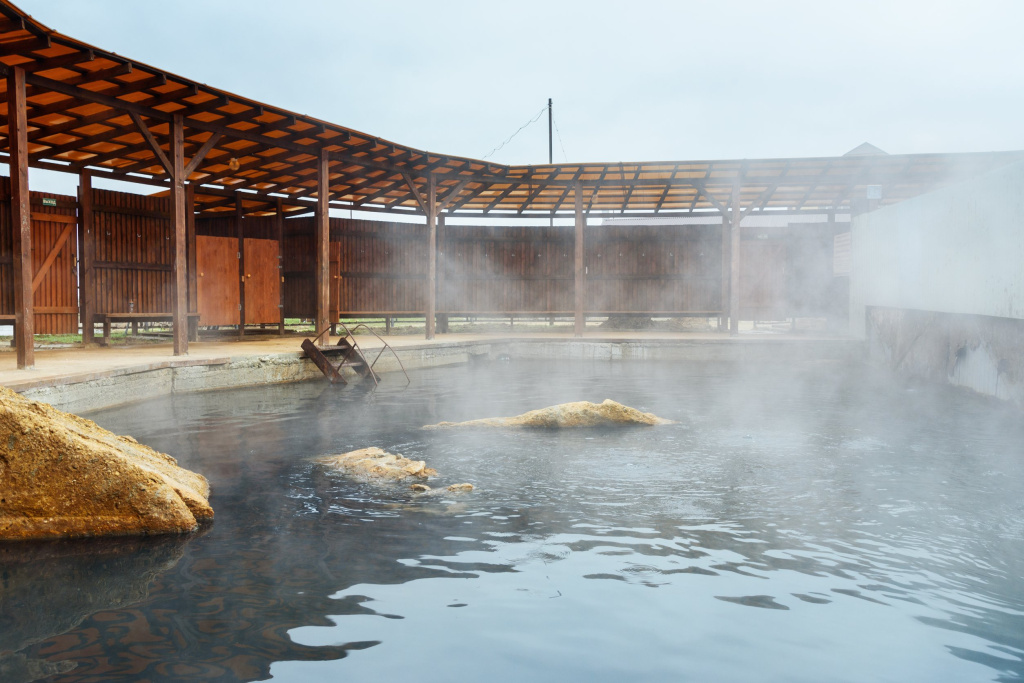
{"type": "Point", "coordinates": [107, 388]}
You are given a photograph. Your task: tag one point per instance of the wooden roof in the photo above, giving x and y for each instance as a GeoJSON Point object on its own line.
{"type": "Point", "coordinates": [85, 103]}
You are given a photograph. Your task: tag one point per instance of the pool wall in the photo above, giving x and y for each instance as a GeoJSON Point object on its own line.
{"type": "Point", "coordinates": [937, 288]}
{"type": "Point", "coordinates": [80, 393]}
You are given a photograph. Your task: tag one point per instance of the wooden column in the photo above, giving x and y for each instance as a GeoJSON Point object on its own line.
{"type": "Point", "coordinates": [190, 247]}
{"type": "Point", "coordinates": [86, 272]}
{"type": "Point", "coordinates": [178, 209]}
{"type": "Point", "coordinates": [323, 245]}
{"type": "Point", "coordinates": [431, 308]}
{"type": "Point", "coordinates": [442, 318]}
{"type": "Point", "coordinates": [581, 276]}
{"type": "Point", "coordinates": [240, 233]}
{"type": "Point", "coordinates": [21, 218]}
{"type": "Point", "coordinates": [734, 262]}
{"type": "Point", "coordinates": [723, 315]}
{"type": "Point", "coordinates": [279, 231]}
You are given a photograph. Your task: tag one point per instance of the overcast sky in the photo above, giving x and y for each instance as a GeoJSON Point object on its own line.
{"type": "Point", "coordinates": [633, 80]}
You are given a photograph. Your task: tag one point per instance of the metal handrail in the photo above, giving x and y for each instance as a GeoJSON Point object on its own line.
{"type": "Point", "coordinates": [350, 334]}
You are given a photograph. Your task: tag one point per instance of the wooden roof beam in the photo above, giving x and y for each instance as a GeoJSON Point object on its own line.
{"type": "Point", "coordinates": [443, 204]}
{"type": "Point", "coordinates": [415, 192]}
{"type": "Point", "coordinates": [629, 193]}
{"type": "Point", "coordinates": [594, 195]}
{"type": "Point", "coordinates": [470, 196]}
{"type": "Point", "coordinates": [81, 144]}
{"type": "Point", "coordinates": [393, 186]}
{"type": "Point", "coordinates": [664, 192]}
{"type": "Point", "coordinates": [148, 135]}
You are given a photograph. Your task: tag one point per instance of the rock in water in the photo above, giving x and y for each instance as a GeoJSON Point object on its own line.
{"type": "Point", "coordinates": [376, 463]}
{"type": "Point", "coordinates": [577, 414]}
{"type": "Point", "coordinates": [62, 476]}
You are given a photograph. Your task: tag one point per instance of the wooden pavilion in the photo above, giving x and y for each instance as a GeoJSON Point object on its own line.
{"type": "Point", "coordinates": [239, 230]}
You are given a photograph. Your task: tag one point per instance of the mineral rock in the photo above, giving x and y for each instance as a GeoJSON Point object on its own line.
{"type": "Point", "coordinates": [376, 463]}
{"type": "Point", "coordinates": [452, 488]}
{"type": "Point", "coordinates": [62, 476]}
{"type": "Point", "coordinates": [576, 414]}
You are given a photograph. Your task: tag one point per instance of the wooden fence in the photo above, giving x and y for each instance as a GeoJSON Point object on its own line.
{"type": "Point", "coordinates": [265, 266]}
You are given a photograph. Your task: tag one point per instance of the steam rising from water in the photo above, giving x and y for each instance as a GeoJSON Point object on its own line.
{"type": "Point", "coordinates": [799, 523]}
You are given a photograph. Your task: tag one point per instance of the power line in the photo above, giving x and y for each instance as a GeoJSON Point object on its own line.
{"type": "Point", "coordinates": [560, 143]}
{"type": "Point", "coordinates": [531, 121]}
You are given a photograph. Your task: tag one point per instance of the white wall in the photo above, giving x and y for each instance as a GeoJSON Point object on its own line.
{"type": "Point", "coordinates": [959, 249]}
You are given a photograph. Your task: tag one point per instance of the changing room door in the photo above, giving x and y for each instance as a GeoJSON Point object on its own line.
{"type": "Point", "coordinates": [262, 282]}
{"type": "Point", "coordinates": [217, 288]}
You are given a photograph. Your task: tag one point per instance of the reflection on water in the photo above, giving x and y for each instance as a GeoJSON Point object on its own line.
{"type": "Point", "coordinates": [50, 587]}
{"type": "Point", "coordinates": [810, 524]}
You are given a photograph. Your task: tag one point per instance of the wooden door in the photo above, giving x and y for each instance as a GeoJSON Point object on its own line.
{"type": "Point", "coordinates": [262, 281]}
{"type": "Point", "coordinates": [54, 261]}
{"type": "Point", "coordinates": [54, 264]}
{"type": "Point", "coordinates": [217, 280]}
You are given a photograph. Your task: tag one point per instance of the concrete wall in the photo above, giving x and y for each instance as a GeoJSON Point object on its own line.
{"type": "Point", "coordinates": [937, 284]}
{"type": "Point", "coordinates": [130, 385]}
{"type": "Point", "coordinates": [959, 249]}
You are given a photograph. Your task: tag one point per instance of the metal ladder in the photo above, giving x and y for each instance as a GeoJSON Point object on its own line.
{"type": "Point", "coordinates": [347, 348]}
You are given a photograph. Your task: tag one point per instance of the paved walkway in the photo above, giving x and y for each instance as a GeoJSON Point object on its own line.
{"type": "Point", "coordinates": [62, 365]}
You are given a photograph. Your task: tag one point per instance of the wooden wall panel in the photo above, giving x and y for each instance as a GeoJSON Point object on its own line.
{"type": "Point", "coordinates": [134, 251]}
{"type": "Point", "coordinates": [763, 279]}
{"type": "Point", "coordinates": [518, 269]}
{"type": "Point", "coordinates": [262, 281]}
{"type": "Point", "coordinates": [299, 261]}
{"type": "Point", "coordinates": [812, 290]}
{"type": "Point", "coordinates": [646, 269]}
{"type": "Point", "coordinates": [382, 267]}
{"type": "Point", "coordinates": [217, 290]}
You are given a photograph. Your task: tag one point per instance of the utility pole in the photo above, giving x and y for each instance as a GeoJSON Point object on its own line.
{"type": "Point", "coordinates": [551, 158]}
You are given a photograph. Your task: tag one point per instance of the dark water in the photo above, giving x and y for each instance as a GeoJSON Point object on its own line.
{"type": "Point", "coordinates": [807, 524]}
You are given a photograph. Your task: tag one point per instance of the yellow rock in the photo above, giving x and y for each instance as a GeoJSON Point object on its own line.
{"type": "Point", "coordinates": [460, 487]}
{"type": "Point", "coordinates": [62, 476]}
{"type": "Point", "coordinates": [576, 414]}
{"type": "Point", "coordinates": [376, 463]}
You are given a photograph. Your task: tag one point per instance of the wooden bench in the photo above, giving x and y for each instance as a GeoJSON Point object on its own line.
{"type": "Point", "coordinates": [136, 318]}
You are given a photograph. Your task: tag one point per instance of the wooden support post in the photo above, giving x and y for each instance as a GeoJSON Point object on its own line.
{"type": "Point", "coordinates": [193, 280]}
{"type": "Point", "coordinates": [279, 231]}
{"type": "Point", "coordinates": [734, 263]}
{"type": "Point", "coordinates": [323, 244]}
{"type": "Point", "coordinates": [581, 276]}
{"type": "Point", "coordinates": [240, 232]}
{"type": "Point", "coordinates": [431, 307]}
{"type": "Point", "coordinates": [178, 210]}
{"type": "Point", "coordinates": [21, 218]}
{"type": "Point", "coordinates": [723, 316]}
{"type": "Point", "coordinates": [86, 273]}
{"type": "Point", "coordinates": [442, 317]}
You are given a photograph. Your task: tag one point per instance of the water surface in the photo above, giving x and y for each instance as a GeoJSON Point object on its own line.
{"type": "Point", "coordinates": [798, 524]}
